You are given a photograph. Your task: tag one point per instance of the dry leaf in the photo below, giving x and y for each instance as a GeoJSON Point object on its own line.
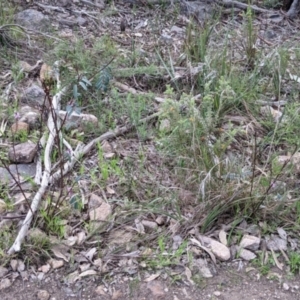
{"type": "Point", "coordinates": [88, 273]}
{"type": "Point", "coordinates": [110, 190]}
{"type": "Point", "coordinates": [188, 274]}
{"type": "Point", "coordinates": [152, 277]}
{"type": "Point", "coordinates": [278, 264]}
{"type": "Point", "coordinates": [58, 252]}
{"type": "Point", "coordinates": [223, 237]}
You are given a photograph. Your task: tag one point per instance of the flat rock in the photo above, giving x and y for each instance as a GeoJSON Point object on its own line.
{"type": "Point", "coordinates": [33, 95]}
{"type": "Point", "coordinates": [246, 254]}
{"type": "Point", "coordinates": [218, 249]}
{"type": "Point", "coordinates": [22, 153]}
{"type": "Point", "coordinates": [250, 242]}
{"type": "Point", "coordinates": [30, 116]}
{"type": "Point", "coordinates": [24, 170]}
{"type": "Point", "coordinates": [33, 20]}
{"type": "Point", "coordinates": [100, 213]}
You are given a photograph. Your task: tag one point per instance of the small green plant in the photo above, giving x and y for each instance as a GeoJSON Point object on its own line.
{"type": "Point", "coordinates": [294, 262]}
{"type": "Point", "coordinates": [165, 257]}
{"type": "Point", "coordinates": [251, 38]}
{"type": "Point", "coordinates": [53, 224]}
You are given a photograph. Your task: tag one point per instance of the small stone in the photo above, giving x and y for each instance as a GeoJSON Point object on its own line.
{"type": "Point", "coordinates": [160, 220]}
{"type": "Point", "coordinates": [149, 224]}
{"type": "Point", "coordinates": [56, 263]}
{"type": "Point", "coordinates": [95, 201]}
{"type": "Point", "coordinates": [285, 286]}
{"type": "Point", "coordinates": [5, 283]}
{"type": "Point", "coordinates": [33, 19]}
{"type": "Point", "coordinates": [250, 242]}
{"type": "Point", "coordinates": [22, 153]}
{"type": "Point", "coordinates": [165, 125]}
{"type": "Point", "coordinates": [44, 268]}
{"type": "Point", "coordinates": [246, 254]}
{"type": "Point", "coordinates": [3, 271]}
{"type": "Point", "coordinates": [100, 290]}
{"type": "Point", "coordinates": [217, 293]}
{"type": "Point", "coordinates": [81, 21]}
{"type": "Point", "coordinates": [14, 264]}
{"type": "Point", "coordinates": [34, 95]}
{"type": "Point", "coordinates": [43, 295]}
{"type": "Point", "coordinates": [21, 266]}
{"type": "Point", "coordinates": [220, 251]}
{"type": "Point", "coordinates": [100, 213]}
{"type": "Point", "coordinates": [156, 289]}
{"type": "Point", "coordinates": [116, 295]}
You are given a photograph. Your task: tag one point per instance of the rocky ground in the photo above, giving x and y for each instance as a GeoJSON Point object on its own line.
{"type": "Point", "coordinates": [227, 284]}
{"type": "Point", "coordinates": [115, 261]}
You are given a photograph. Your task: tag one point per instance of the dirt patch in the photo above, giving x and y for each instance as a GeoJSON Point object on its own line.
{"type": "Point", "coordinates": [228, 284]}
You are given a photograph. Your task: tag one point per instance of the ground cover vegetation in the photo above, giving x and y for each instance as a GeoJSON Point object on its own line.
{"type": "Point", "coordinates": [191, 135]}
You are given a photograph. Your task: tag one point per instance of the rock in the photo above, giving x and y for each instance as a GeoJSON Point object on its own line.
{"type": "Point", "coordinates": [219, 250]}
{"type": "Point", "coordinates": [22, 153]}
{"type": "Point", "coordinates": [250, 242]}
{"type": "Point", "coordinates": [33, 20]}
{"type": "Point", "coordinates": [165, 125]}
{"type": "Point", "coordinates": [45, 268]}
{"type": "Point", "coordinates": [246, 254]}
{"type": "Point", "coordinates": [81, 21]}
{"type": "Point", "coordinates": [31, 117]}
{"type": "Point", "coordinates": [276, 243]}
{"type": "Point", "coordinates": [156, 289]}
{"type": "Point", "coordinates": [21, 266]}
{"type": "Point", "coordinates": [149, 224]}
{"type": "Point", "coordinates": [95, 201]}
{"type": "Point", "coordinates": [34, 95]}
{"type": "Point", "coordinates": [5, 283]}
{"type": "Point", "coordinates": [3, 271]}
{"type": "Point", "coordinates": [101, 290]}
{"type": "Point", "coordinates": [160, 220]}
{"type": "Point", "coordinates": [19, 127]}
{"type": "Point", "coordinates": [203, 268]}
{"type": "Point", "coordinates": [100, 213]}
{"type": "Point", "coordinates": [5, 177]}
{"type": "Point", "coordinates": [178, 30]}
{"type": "Point", "coordinates": [14, 264]}
{"type": "Point", "coordinates": [56, 263]}
{"type": "Point", "coordinates": [43, 295]}
{"type": "Point", "coordinates": [75, 120]}
{"type": "Point", "coordinates": [217, 293]}
{"type": "Point", "coordinates": [285, 286]}
{"type": "Point", "coordinates": [24, 170]}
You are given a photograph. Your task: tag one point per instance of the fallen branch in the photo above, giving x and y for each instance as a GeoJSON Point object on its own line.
{"type": "Point", "coordinates": [47, 162]}
{"type": "Point", "coordinates": [79, 152]}
{"type": "Point", "coordinates": [243, 6]}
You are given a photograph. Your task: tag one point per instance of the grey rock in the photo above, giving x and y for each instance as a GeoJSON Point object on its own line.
{"type": "Point", "coordinates": [276, 243]}
{"type": "Point", "coordinates": [23, 169]}
{"type": "Point", "coordinates": [22, 153]}
{"type": "Point", "coordinates": [33, 20]}
{"type": "Point", "coordinates": [34, 95]}
{"type": "Point", "coordinates": [285, 286]}
{"type": "Point", "coordinates": [81, 21]}
{"type": "Point", "coordinates": [246, 254]}
{"type": "Point", "coordinates": [221, 251]}
{"type": "Point", "coordinates": [30, 116]}
{"type": "Point", "coordinates": [4, 176]}
{"type": "Point", "coordinates": [203, 268]}
{"type": "Point", "coordinates": [250, 242]}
